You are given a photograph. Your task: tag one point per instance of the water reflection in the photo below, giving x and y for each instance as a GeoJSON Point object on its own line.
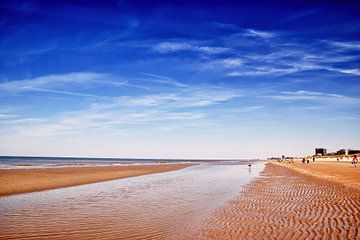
{"type": "Point", "coordinates": [157, 206]}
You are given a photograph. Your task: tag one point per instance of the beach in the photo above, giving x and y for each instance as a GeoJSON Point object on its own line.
{"type": "Point", "coordinates": [291, 201]}
{"type": "Point", "coordinates": [166, 205]}
{"type": "Point", "coordinates": [15, 181]}
{"type": "Point", "coordinates": [342, 172]}
{"type": "Point", "coordinates": [272, 200]}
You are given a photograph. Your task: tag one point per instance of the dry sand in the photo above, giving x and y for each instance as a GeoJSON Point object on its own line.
{"type": "Point", "coordinates": [340, 172]}
{"type": "Point", "coordinates": [14, 181]}
{"type": "Point", "coordinates": [287, 204]}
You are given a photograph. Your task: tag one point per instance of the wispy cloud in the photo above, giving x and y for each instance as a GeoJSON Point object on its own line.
{"type": "Point", "coordinates": [192, 97]}
{"type": "Point", "coordinates": [283, 62]}
{"type": "Point", "coordinates": [177, 108]}
{"type": "Point", "coordinates": [7, 116]}
{"type": "Point", "coordinates": [259, 71]}
{"type": "Point", "coordinates": [169, 47]}
{"type": "Point", "coordinates": [316, 96]}
{"type": "Point", "coordinates": [258, 33]}
{"type": "Point", "coordinates": [345, 45]}
{"type": "Point", "coordinates": [231, 62]}
{"type": "Point", "coordinates": [59, 80]}
{"type": "Point", "coordinates": [164, 80]}
{"type": "Point", "coordinates": [355, 72]}
{"type": "Point", "coordinates": [70, 93]}
{"type": "Point", "coordinates": [65, 84]}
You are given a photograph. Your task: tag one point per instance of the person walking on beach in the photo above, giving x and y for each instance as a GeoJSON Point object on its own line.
{"type": "Point", "coordinates": [355, 160]}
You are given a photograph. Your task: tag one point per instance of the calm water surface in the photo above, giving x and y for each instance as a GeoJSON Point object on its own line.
{"type": "Point", "coordinates": [159, 206]}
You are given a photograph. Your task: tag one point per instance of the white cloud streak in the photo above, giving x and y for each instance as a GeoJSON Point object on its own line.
{"type": "Point", "coordinates": [51, 82]}
{"type": "Point", "coordinates": [327, 98]}
{"type": "Point", "coordinates": [258, 33]}
{"type": "Point", "coordinates": [193, 97]}
{"type": "Point", "coordinates": [345, 45]}
{"type": "Point", "coordinates": [176, 109]}
{"type": "Point", "coordinates": [164, 80]}
{"type": "Point", "coordinates": [169, 47]}
{"type": "Point", "coordinates": [288, 62]}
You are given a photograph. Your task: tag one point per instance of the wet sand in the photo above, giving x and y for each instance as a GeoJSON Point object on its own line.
{"type": "Point", "coordinates": [287, 204]}
{"type": "Point", "coordinates": [15, 181]}
{"type": "Point", "coordinates": [155, 206]}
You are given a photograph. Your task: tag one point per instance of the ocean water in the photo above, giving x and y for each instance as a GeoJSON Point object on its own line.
{"type": "Point", "coordinates": [37, 162]}
{"type": "Point", "coordinates": [158, 206]}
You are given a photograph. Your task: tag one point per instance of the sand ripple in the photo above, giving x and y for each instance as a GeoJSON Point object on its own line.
{"type": "Point", "coordinates": [284, 204]}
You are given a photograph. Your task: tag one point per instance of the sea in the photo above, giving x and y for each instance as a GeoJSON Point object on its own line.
{"type": "Point", "coordinates": [54, 162]}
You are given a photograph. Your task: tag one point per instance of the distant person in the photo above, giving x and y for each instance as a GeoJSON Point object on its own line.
{"type": "Point", "coordinates": [249, 165]}
{"type": "Point", "coordinates": [355, 160]}
{"type": "Point", "coordinates": [307, 161]}
{"type": "Point", "coordinates": [303, 160]}
{"type": "Point", "coordinates": [313, 159]}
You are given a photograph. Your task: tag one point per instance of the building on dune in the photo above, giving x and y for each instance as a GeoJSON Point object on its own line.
{"type": "Point", "coordinates": [320, 151]}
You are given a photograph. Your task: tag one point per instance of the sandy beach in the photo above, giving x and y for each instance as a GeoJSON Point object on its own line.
{"type": "Point", "coordinates": [291, 202]}
{"type": "Point", "coordinates": [339, 172]}
{"type": "Point", "coordinates": [15, 181]}
{"type": "Point", "coordinates": [154, 206]}
{"type": "Point", "coordinates": [286, 201]}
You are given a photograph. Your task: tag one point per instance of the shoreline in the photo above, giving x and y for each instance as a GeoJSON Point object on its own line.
{"type": "Point", "coordinates": [288, 204]}
{"type": "Point", "coordinates": [17, 181]}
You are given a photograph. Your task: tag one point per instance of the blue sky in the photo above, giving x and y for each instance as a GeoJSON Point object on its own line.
{"type": "Point", "coordinates": [175, 79]}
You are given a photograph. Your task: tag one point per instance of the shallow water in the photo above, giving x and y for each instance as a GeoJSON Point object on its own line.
{"type": "Point", "coordinates": [158, 206]}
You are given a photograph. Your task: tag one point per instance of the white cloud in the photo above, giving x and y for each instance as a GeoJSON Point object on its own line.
{"type": "Point", "coordinates": [164, 80]}
{"type": "Point", "coordinates": [258, 71]}
{"type": "Point", "coordinates": [346, 45]}
{"type": "Point", "coordinates": [97, 120]}
{"type": "Point", "coordinates": [287, 62]}
{"type": "Point", "coordinates": [355, 72]}
{"type": "Point", "coordinates": [149, 100]}
{"type": "Point", "coordinates": [168, 47]}
{"type": "Point", "coordinates": [70, 93]}
{"type": "Point", "coordinates": [175, 109]}
{"type": "Point", "coordinates": [327, 98]}
{"type": "Point", "coordinates": [211, 50]}
{"type": "Point", "coordinates": [190, 97]}
{"type": "Point", "coordinates": [7, 116]}
{"type": "Point", "coordinates": [184, 116]}
{"type": "Point", "coordinates": [232, 62]}
{"type": "Point", "coordinates": [51, 82]}
{"type": "Point", "coordinates": [258, 33]}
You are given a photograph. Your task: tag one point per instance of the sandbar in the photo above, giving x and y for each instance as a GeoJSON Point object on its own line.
{"type": "Point", "coordinates": [15, 181]}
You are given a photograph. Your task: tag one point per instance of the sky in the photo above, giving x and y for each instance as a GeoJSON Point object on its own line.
{"type": "Point", "coordinates": [179, 79]}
